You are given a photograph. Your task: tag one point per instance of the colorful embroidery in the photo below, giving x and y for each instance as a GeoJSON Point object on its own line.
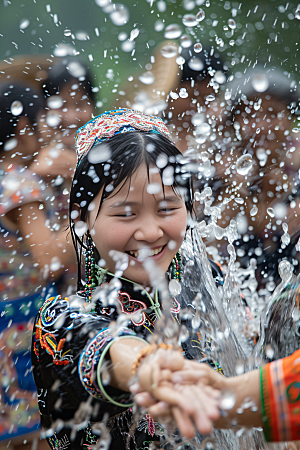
{"type": "Point", "coordinates": [148, 425]}
{"type": "Point", "coordinates": [130, 306]}
{"type": "Point", "coordinates": [115, 122]}
{"type": "Point", "coordinates": [88, 361]}
{"type": "Point", "coordinates": [50, 312]}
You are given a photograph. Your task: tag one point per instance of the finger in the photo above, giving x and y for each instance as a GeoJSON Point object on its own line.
{"type": "Point", "coordinates": [188, 376]}
{"type": "Point", "coordinates": [184, 423]}
{"type": "Point", "coordinates": [145, 399]}
{"type": "Point", "coordinates": [160, 411]}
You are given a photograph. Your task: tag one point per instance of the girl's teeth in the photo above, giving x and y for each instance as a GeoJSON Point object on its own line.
{"type": "Point", "coordinates": [149, 252]}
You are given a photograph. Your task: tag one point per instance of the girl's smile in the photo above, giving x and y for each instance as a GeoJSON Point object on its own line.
{"type": "Point", "coordinates": [134, 221]}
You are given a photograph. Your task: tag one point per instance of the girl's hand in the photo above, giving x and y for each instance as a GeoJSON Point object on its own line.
{"type": "Point", "coordinates": [187, 402]}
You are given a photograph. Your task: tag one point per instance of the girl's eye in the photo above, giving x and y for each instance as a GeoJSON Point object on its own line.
{"type": "Point", "coordinates": [167, 210]}
{"type": "Point", "coordinates": [127, 214]}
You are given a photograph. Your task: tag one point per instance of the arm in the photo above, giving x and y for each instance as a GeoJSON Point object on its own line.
{"type": "Point", "coordinates": [42, 242]}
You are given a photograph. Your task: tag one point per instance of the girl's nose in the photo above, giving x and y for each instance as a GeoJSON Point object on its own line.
{"type": "Point", "coordinates": [148, 232]}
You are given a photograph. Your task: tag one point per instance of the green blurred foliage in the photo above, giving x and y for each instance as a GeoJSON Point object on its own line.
{"type": "Point", "coordinates": [266, 33]}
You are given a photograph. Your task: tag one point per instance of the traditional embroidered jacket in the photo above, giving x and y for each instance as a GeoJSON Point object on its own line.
{"type": "Point", "coordinates": [67, 344]}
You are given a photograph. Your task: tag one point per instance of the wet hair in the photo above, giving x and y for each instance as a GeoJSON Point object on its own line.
{"type": "Point", "coordinates": [31, 100]}
{"type": "Point", "coordinates": [196, 66]}
{"type": "Point", "coordinates": [125, 153]}
{"type": "Point", "coordinates": [65, 72]}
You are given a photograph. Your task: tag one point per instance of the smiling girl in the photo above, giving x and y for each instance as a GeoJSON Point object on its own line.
{"type": "Point", "coordinates": [129, 204]}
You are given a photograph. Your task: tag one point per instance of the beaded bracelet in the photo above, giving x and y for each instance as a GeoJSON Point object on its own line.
{"type": "Point", "coordinates": [100, 385]}
{"type": "Point", "coordinates": [147, 351]}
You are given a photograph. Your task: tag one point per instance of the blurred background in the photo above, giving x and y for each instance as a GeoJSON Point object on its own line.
{"type": "Point", "coordinates": [127, 48]}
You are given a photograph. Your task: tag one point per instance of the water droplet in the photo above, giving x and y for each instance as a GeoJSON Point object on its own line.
{"type": "Point", "coordinates": [196, 321]}
{"type": "Point", "coordinates": [188, 5]}
{"type": "Point", "coordinates": [285, 270]}
{"type": "Point", "coordinates": [120, 15]}
{"type": "Point", "coordinates": [159, 25]}
{"type": "Point", "coordinates": [174, 288]}
{"type": "Point", "coordinates": [80, 228]}
{"type": "Point", "coordinates": [99, 154]}
{"type": "Point", "coordinates": [10, 182]}
{"type": "Point", "coordinates": [52, 119]}
{"type": "Point", "coordinates": [168, 176]}
{"type": "Point", "coordinates": [198, 119]}
{"type": "Point", "coordinates": [210, 98]}
{"type": "Point", "coordinates": [162, 161]}
{"type": "Point", "coordinates": [127, 46]}
{"type": "Point", "coordinates": [196, 64]}
{"type": "Point", "coordinates": [298, 245]}
{"type": "Point", "coordinates": [55, 264]}
{"type": "Point", "coordinates": [172, 31]}
{"type": "Point", "coordinates": [254, 211]}
{"type": "Point", "coordinates": [198, 47]}
{"type": "Point", "coordinates": [102, 3]}
{"type": "Point", "coordinates": [16, 108]}
{"type": "Point", "coordinates": [183, 93]}
{"type": "Point", "coordinates": [122, 36]}
{"type": "Point", "coordinates": [220, 77]}
{"type": "Point", "coordinates": [161, 6]}
{"type": "Point", "coordinates": [134, 34]}
{"type": "Point", "coordinates": [280, 210]}
{"type": "Point", "coordinates": [260, 82]}
{"type": "Point", "coordinates": [63, 50]}
{"type": "Point", "coordinates": [231, 24]}
{"type": "Point", "coordinates": [169, 50]}
{"type": "Point", "coordinates": [54, 102]}
{"type": "Point", "coordinates": [297, 12]}
{"type": "Point", "coordinates": [200, 15]}
{"type": "Point", "coordinates": [271, 212]}
{"type": "Point", "coordinates": [10, 144]}
{"type": "Point", "coordinates": [244, 164]}
{"type": "Point", "coordinates": [154, 188]}
{"type": "Point", "coordinates": [81, 35]}
{"type": "Point", "coordinates": [269, 352]}
{"type": "Point", "coordinates": [189, 20]}
{"type": "Point", "coordinates": [67, 32]}
{"type": "Point", "coordinates": [285, 239]}
{"type": "Point", "coordinates": [186, 41]}
{"type": "Point", "coordinates": [240, 368]}
{"type": "Point", "coordinates": [76, 69]}
{"type": "Point", "coordinates": [147, 78]}
{"type": "Point", "coordinates": [24, 24]}
{"type": "Point", "coordinates": [227, 400]}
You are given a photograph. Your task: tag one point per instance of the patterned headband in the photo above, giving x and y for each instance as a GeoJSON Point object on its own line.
{"type": "Point", "coordinates": [115, 122]}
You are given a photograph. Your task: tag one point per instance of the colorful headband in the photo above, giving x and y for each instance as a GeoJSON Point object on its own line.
{"type": "Point", "coordinates": [115, 122]}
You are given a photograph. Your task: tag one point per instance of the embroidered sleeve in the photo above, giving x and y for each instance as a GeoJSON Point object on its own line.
{"type": "Point", "coordinates": [18, 187]}
{"type": "Point", "coordinates": [280, 396]}
{"type": "Point", "coordinates": [89, 359]}
{"type": "Point", "coordinates": [67, 345]}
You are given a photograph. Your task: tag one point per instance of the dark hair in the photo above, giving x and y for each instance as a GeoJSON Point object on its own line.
{"type": "Point", "coordinates": [123, 155]}
{"type": "Point", "coordinates": [30, 99]}
{"type": "Point", "coordinates": [66, 71]}
{"type": "Point", "coordinates": [203, 60]}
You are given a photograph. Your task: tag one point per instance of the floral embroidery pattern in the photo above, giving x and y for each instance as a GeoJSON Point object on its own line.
{"type": "Point", "coordinates": [130, 306]}
{"type": "Point", "coordinates": [50, 312]}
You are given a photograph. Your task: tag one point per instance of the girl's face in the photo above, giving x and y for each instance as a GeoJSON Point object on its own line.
{"type": "Point", "coordinates": [136, 222]}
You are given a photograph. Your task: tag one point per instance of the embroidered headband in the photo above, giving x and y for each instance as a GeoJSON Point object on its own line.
{"type": "Point", "coordinates": [115, 122]}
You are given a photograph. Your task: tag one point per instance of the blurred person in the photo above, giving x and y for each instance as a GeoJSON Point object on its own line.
{"type": "Point", "coordinates": [260, 166]}
{"type": "Point", "coordinates": [193, 110]}
{"type": "Point", "coordinates": [34, 251]}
